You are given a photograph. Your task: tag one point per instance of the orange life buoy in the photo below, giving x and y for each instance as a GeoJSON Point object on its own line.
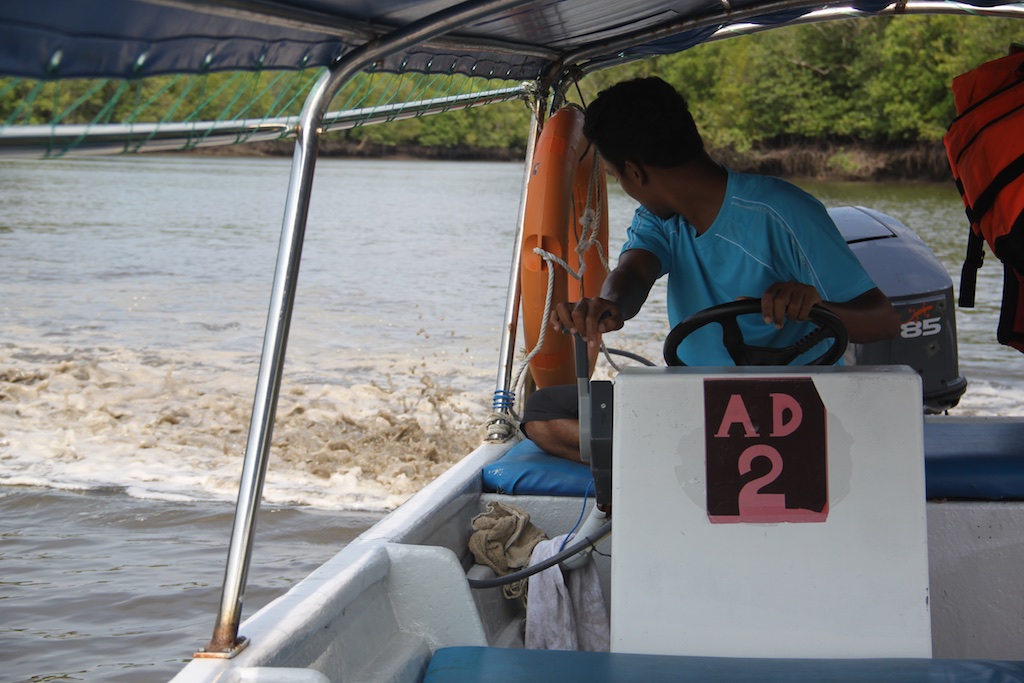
{"type": "Point", "coordinates": [557, 196]}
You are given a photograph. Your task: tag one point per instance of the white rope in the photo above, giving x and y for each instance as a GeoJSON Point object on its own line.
{"type": "Point", "coordinates": [590, 221]}
{"type": "Point", "coordinates": [591, 224]}
{"type": "Point", "coordinates": [501, 426]}
{"type": "Point", "coordinates": [608, 358]}
{"type": "Point", "coordinates": [550, 259]}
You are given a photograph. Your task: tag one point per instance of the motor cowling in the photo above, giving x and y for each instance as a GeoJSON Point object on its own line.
{"type": "Point", "coordinates": [921, 291]}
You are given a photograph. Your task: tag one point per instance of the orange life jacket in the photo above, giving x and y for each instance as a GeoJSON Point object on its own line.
{"type": "Point", "coordinates": [985, 146]}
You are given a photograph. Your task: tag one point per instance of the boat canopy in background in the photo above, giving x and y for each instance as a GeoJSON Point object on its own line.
{"type": "Point", "coordinates": [122, 76]}
{"type": "Point", "coordinates": [53, 39]}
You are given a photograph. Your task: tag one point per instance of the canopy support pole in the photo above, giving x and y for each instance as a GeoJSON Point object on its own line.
{"type": "Point", "coordinates": [543, 104]}
{"type": "Point", "coordinates": [226, 643]}
{"type": "Point", "coordinates": [497, 431]}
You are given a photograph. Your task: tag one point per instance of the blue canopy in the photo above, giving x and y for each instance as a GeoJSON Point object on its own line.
{"type": "Point", "coordinates": [514, 39]}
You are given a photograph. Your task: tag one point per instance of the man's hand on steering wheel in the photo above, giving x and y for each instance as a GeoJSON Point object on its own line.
{"type": "Point", "coordinates": [784, 301]}
{"type": "Point", "coordinates": [588, 317]}
{"type": "Point", "coordinates": [828, 326]}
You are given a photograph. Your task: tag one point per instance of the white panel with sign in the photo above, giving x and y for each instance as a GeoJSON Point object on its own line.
{"type": "Point", "coordinates": [769, 514]}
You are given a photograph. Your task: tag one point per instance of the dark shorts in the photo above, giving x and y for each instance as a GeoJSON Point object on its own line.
{"type": "Point", "coordinates": [560, 402]}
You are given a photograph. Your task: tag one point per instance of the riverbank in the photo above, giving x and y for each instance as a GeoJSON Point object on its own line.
{"type": "Point", "coordinates": [822, 161]}
{"type": "Point", "coordinates": [844, 161]}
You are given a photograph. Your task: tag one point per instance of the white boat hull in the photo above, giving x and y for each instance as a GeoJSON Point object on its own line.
{"type": "Point", "coordinates": [378, 609]}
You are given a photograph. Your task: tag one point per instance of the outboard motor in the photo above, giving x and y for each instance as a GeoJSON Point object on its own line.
{"type": "Point", "coordinates": [920, 289]}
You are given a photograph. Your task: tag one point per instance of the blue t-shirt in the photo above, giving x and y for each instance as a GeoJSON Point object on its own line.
{"type": "Point", "coordinates": [767, 231]}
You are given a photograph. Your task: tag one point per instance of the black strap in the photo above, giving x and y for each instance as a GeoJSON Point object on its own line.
{"type": "Point", "coordinates": [1009, 248]}
{"type": "Point", "coordinates": [984, 129]}
{"type": "Point", "coordinates": [973, 261]}
{"type": "Point", "coordinates": [1010, 330]}
{"type": "Point", "coordinates": [987, 199]}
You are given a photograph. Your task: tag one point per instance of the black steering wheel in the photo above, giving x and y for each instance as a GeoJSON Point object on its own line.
{"type": "Point", "coordinates": [829, 327]}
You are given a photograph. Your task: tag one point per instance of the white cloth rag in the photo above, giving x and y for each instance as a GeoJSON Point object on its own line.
{"type": "Point", "coordinates": [564, 615]}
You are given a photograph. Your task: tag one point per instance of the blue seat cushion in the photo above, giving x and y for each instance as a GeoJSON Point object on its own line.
{"type": "Point", "coordinates": [499, 665]}
{"type": "Point", "coordinates": [527, 470]}
{"type": "Point", "coordinates": [964, 460]}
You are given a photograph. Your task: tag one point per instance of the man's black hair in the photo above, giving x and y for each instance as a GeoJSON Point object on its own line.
{"type": "Point", "coordinates": [643, 120]}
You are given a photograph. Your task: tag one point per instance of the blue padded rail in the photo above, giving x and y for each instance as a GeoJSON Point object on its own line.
{"type": "Point", "coordinates": [965, 459]}
{"type": "Point", "coordinates": [979, 459]}
{"type": "Point", "coordinates": [498, 665]}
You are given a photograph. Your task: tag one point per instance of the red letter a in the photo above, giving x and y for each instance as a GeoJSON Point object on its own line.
{"type": "Point", "coordinates": [736, 412]}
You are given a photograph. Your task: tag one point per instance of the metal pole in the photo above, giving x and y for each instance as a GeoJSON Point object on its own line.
{"type": "Point", "coordinates": [506, 352]}
{"type": "Point", "coordinates": [45, 141]}
{"type": "Point", "coordinates": [225, 642]}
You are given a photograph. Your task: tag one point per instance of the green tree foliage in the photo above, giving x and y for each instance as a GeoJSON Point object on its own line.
{"type": "Point", "coordinates": [884, 81]}
{"type": "Point", "coordinates": [214, 97]}
{"type": "Point", "coordinates": [237, 95]}
{"type": "Point", "coordinates": [494, 126]}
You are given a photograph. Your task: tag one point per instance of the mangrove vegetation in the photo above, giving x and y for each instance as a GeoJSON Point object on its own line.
{"type": "Point", "coordinates": [858, 97]}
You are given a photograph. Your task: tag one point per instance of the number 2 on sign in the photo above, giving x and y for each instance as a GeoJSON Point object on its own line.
{"type": "Point", "coordinates": [766, 451]}
{"type": "Point", "coordinates": [751, 501]}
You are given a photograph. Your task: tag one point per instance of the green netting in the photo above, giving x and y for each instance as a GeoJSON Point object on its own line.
{"type": "Point", "coordinates": [65, 116]}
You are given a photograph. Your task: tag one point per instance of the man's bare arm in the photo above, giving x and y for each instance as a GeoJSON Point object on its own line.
{"type": "Point", "coordinates": [623, 294]}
